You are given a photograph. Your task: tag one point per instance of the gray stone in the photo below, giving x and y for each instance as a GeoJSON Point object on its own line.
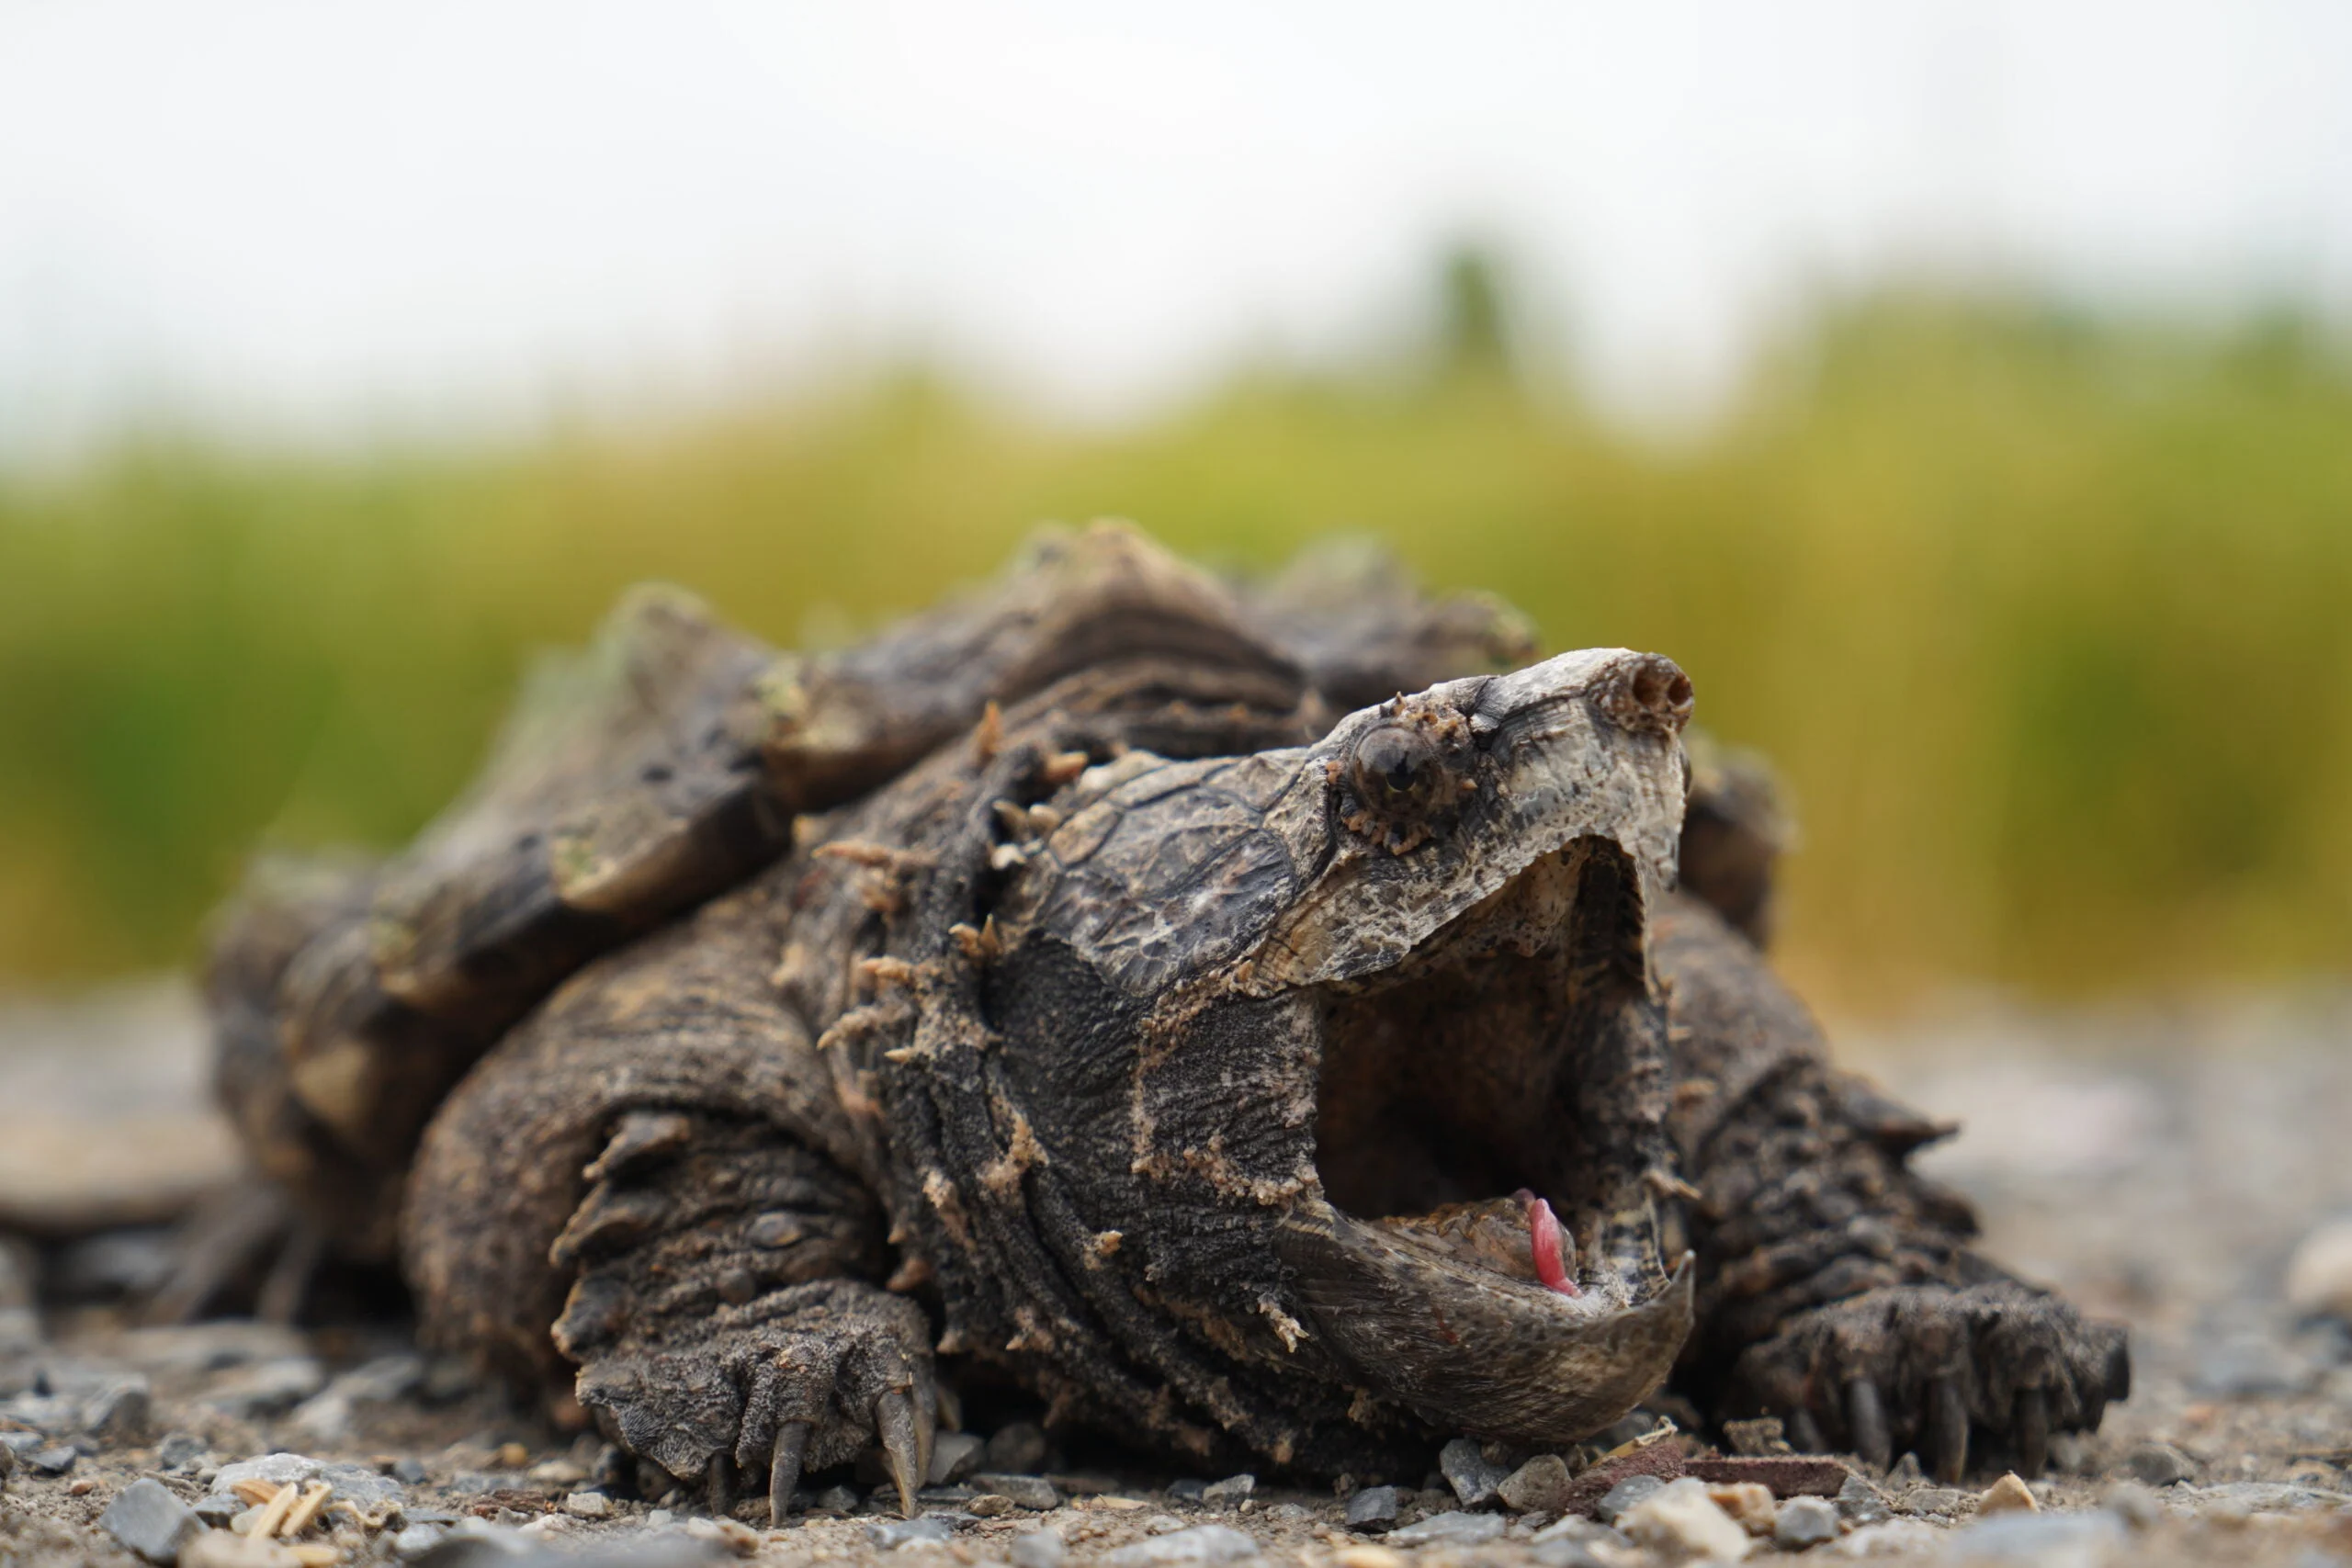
{"type": "Point", "coordinates": [2044, 1540]}
{"type": "Point", "coordinates": [954, 1455]}
{"type": "Point", "coordinates": [1943, 1500]}
{"type": "Point", "coordinates": [1540, 1487]}
{"type": "Point", "coordinates": [1230, 1492]}
{"type": "Point", "coordinates": [1018, 1449]}
{"type": "Point", "coordinates": [1033, 1491]}
{"type": "Point", "coordinates": [1452, 1529]}
{"type": "Point", "coordinates": [181, 1452]}
{"type": "Point", "coordinates": [1570, 1554]}
{"type": "Point", "coordinates": [1627, 1492]}
{"type": "Point", "coordinates": [357, 1484]}
{"type": "Point", "coordinates": [2158, 1464]}
{"type": "Point", "coordinates": [1162, 1524]}
{"type": "Point", "coordinates": [1189, 1489]}
{"type": "Point", "coordinates": [416, 1540]}
{"type": "Point", "coordinates": [410, 1472]}
{"type": "Point", "coordinates": [217, 1511]}
{"type": "Point", "coordinates": [838, 1499]}
{"type": "Point", "coordinates": [23, 1445]}
{"type": "Point", "coordinates": [1373, 1510]}
{"type": "Point", "coordinates": [1203, 1544]}
{"type": "Point", "coordinates": [588, 1506]}
{"type": "Point", "coordinates": [145, 1518]}
{"type": "Point", "coordinates": [1803, 1522]}
{"type": "Point", "coordinates": [888, 1535]}
{"type": "Point", "coordinates": [1286, 1513]}
{"type": "Point", "coordinates": [122, 1416]}
{"type": "Point", "coordinates": [55, 1459]}
{"type": "Point", "coordinates": [265, 1388]}
{"type": "Point", "coordinates": [1859, 1503]}
{"type": "Point", "coordinates": [1475, 1480]}
{"type": "Point", "coordinates": [942, 1496]}
{"type": "Point", "coordinates": [1038, 1549]}
{"type": "Point", "coordinates": [1905, 1473]}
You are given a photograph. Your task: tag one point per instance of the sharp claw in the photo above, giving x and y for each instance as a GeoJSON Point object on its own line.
{"type": "Point", "coordinates": [1805, 1433]}
{"type": "Point", "coordinates": [784, 1470]}
{"type": "Point", "coordinates": [1948, 1430]}
{"type": "Point", "coordinates": [720, 1486]}
{"type": "Point", "coordinates": [894, 1419]}
{"type": "Point", "coordinates": [1866, 1420]}
{"type": "Point", "coordinates": [2033, 1432]}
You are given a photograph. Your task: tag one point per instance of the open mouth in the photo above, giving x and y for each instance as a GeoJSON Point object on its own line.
{"type": "Point", "coordinates": [1486, 1251]}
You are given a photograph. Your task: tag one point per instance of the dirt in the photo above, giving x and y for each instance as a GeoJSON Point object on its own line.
{"type": "Point", "coordinates": [2159, 1165]}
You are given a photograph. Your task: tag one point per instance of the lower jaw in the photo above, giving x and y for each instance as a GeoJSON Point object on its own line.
{"type": "Point", "coordinates": [1472, 1351]}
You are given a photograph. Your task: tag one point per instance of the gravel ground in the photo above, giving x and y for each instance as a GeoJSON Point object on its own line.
{"type": "Point", "coordinates": [2174, 1169]}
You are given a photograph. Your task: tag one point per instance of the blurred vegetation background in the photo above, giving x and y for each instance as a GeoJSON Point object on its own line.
{"type": "Point", "coordinates": [2046, 619]}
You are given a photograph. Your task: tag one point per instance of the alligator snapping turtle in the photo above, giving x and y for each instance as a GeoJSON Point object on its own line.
{"type": "Point", "coordinates": [1113, 982]}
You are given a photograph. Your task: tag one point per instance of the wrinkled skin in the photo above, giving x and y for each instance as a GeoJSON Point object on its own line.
{"type": "Point", "coordinates": [1244, 1074]}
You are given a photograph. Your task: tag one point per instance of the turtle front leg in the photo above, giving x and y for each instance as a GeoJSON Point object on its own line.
{"type": "Point", "coordinates": [724, 1317]}
{"type": "Point", "coordinates": [1838, 1289]}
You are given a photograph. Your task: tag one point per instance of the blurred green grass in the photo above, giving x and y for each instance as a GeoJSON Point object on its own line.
{"type": "Point", "coordinates": [2046, 619]}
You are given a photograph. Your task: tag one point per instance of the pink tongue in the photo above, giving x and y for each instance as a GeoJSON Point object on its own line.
{"type": "Point", "coordinates": [1545, 1234]}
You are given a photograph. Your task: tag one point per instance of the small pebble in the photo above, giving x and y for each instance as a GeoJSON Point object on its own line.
{"type": "Point", "coordinates": [80, 1488]}
{"type": "Point", "coordinates": [181, 1453]}
{"type": "Point", "coordinates": [888, 1535]}
{"type": "Point", "coordinates": [1287, 1513]}
{"type": "Point", "coordinates": [1859, 1503]}
{"type": "Point", "coordinates": [1018, 1449]}
{"type": "Point", "coordinates": [513, 1456]}
{"type": "Point", "coordinates": [1203, 1544]}
{"type": "Point", "coordinates": [1474, 1478]}
{"type": "Point", "coordinates": [1228, 1493]}
{"type": "Point", "coordinates": [147, 1520]}
{"type": "Point", "coordinates": [1626, 1493]}
{"type": "Point", "coordinates": [954, 1455]}
{"type": "Point", "coordinates": [2158, 1466]}
{"type": "Point", "coordinates": [1162, 1524]}
{"type": "Point", "coordinates": [588, 1506]}
{"type": "Point", "coordinates": [410, 1472]}
{"type": "Point", "coordinates": [53, 1461]}
{"type": "Point", "coordinates": [739, 1537]}
{"type": "Point", "coordinates": [1539, 1486]}
{"type": "Point", "coordinates": [416, 1540]}
{"type": "Point", "coordinates": [1681, 1521]}
{"type": "Point", "coordinates": [122, 1416]}
{"type": "Point", "coordinates": [1748, 1503]}
{"type": "Point", "coordinates": [1803, 1522]}
{"type": "Point", "coordinates": [1944, 1501]}
{"type": "Point", "coordinates": [1373, 1510]}
{"type": "Point", "coordinates": [1369, 1557]}
{"type": "Point", "coordinates": [659, 1519]}
{"type": "Point", "coordinates": [838, 1499]}
{"type": "Point", "coordinates": [1031, 1492]}
{"type": "Point", "coordinates": [558, 1473]}
{"type": "Point", "coordinates": [988, 1505]}
{"type": "Point", "coordinates": [1452, 1529]}
{"type": "Point", "coordinates": [1038, 1549]}
{"type": "Point", "coordinates": [2009, 1495]}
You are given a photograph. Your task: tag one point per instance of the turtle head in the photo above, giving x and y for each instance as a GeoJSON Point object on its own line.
{"type": "Point", "coordinates": [1354, 1049]}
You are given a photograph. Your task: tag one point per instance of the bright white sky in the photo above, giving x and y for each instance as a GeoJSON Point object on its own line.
{"type": "Point", "coordinates": [333, 217]}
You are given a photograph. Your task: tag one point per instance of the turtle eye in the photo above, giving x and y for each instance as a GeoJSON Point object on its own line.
{"type": "Point", "coordinates": [1396, 766]}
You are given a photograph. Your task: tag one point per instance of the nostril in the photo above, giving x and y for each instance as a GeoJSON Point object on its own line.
{"type": "Point", "coordinates": [1656, 693]}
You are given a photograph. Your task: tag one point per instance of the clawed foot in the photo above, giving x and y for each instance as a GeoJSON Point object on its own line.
{"type": "Point", "coordinates": [802, 1377]}
{"type": "Point", "coordinates": [1924, 1367]}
